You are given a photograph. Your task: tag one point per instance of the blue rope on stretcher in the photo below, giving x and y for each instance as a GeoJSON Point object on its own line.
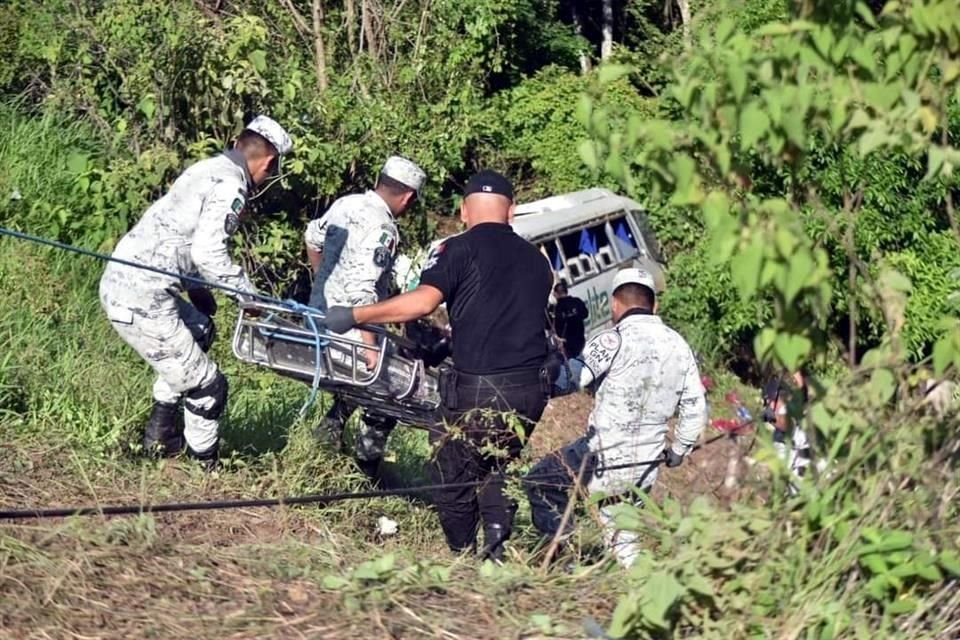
{"type": "Point", "coordinates": [292, 305]}
{"type": "Point", "coordinates": [319, 344]}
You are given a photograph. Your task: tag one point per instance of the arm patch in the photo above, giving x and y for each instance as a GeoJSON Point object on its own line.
{"type": "Point", "coordinates": [599, 353]}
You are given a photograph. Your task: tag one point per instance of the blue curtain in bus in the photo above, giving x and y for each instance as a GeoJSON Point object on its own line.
{"type": "Point", "coordinates": [623, 234]}
{"type": "Point", "coordinates": [588, 243]}
{"type": "Point", "coordinates": [557, 262]}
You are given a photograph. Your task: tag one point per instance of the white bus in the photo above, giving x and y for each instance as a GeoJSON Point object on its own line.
{"type": "Point", "coordinates": [586, 236]}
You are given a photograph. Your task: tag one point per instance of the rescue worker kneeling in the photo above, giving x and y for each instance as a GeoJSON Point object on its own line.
{"type": "Point", "coordinates": [643, 373]}
{"type": "Point", "coordinates": [186, 232]}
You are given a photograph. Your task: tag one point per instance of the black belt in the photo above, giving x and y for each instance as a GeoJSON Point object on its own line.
{"type": "Point", "coordinates": [512, 377]}
{"type": "Point", "coordinates": [451, 380]}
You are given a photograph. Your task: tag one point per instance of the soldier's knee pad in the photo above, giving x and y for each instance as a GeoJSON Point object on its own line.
{"type": "Point", "coordinates": [216, 389]}
{"type": "Point", "coordinates": [206, 335]}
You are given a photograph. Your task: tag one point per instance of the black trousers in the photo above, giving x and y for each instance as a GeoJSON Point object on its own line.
{"type": "Point", "coordinates": [478, 439]}
{"type": "Point", "coordinates": [548, 484]}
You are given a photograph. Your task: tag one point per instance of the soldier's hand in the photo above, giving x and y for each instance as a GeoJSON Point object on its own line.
{"type": "Point", "coordinates": [340, 319]}
{"type": "Point", "coordinates": [203, 300]}
{"type": "Point", "coordinates": [672, 458]}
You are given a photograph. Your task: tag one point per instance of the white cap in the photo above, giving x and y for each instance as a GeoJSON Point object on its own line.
{"type": "Point", "coordinates": [405, 172]}
{"type": "Point", "coordinates": [273, 132]}
{"type": "Point", "coordinates": [634, 276]}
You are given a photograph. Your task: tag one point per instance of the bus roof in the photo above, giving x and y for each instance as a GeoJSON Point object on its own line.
{"type": "Point", "coordinates": [555, 214]}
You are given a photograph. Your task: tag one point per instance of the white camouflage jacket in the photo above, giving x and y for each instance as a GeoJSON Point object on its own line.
{"type": "Point", "coordinates": [358, 237]}
{"type": "Point", "coordinates": [185, 232]}
{"type": "Point", "coordinates": [644, 372]}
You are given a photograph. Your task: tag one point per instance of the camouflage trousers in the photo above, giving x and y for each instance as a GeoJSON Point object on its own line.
{"type": "Point", "coordinates": [167, 332]}
{"type": "Point", "coordinates": [372, 433]}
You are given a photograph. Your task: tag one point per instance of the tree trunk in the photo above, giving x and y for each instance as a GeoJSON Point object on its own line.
{"type": "Point", "coordinates": [606, 47]}
{"type": "Point", "coordinates": [366, 20]}
{"type": "Point", "coordinates": [685, 19]}
{"type": "Point", "coordinates": [578, 29]}
{"type": "Point", "coordinates": [319, 49]}
{"type": "Point", "coordinates": [350, 11]}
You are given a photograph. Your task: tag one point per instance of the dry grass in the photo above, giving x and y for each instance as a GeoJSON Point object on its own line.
{"type": "Point", "coordinates": [260, 572]}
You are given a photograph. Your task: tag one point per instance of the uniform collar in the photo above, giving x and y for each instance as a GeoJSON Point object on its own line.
{"type": "Point", "coordinates": [380, 202]}
{"type": "Point", "coordinates": [237, 158]}
{"type": "Point", "coordinates": [643, 315]}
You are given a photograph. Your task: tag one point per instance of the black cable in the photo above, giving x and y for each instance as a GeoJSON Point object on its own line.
{"type": "Point", "coordinates": [322, 499]}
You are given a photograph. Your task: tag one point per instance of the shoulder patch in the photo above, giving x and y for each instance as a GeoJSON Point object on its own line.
{"type": "Point", "coordinates": [237, 205]}
{"type": "Point", "coordinates": [382, 256]}
{"type": "Point", "coordinates": [601, 350]}
{"type": "Point", "coordinates": [231, 224]}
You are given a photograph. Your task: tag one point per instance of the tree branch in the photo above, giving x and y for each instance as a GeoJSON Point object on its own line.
{"type": "Point", "coordinates": [319, 48]}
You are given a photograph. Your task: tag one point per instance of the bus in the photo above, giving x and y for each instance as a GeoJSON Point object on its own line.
{"type": "Point", "coordinates": [586, 236]}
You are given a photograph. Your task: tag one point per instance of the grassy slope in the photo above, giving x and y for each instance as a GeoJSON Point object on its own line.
{"type": "Point", "coordinates": [74, 397]}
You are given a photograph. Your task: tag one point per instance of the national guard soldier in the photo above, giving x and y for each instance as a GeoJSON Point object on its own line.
{"type": "Point", "coordinates": [186, 232]}
{"type": "Point", "coordinates": [643, 372]}
{"type": "Point", "coordinates": [496, 286]}
{"type": "Point", "coordinates": [351, 250]}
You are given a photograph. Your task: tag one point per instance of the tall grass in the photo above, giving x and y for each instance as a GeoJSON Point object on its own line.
{"type": "Point", "coordinates": [39, 154]}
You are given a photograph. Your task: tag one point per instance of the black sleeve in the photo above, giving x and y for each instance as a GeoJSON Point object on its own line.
{"type": "Point", "coordinates": [444, 268]}
{"type": "Point", "coordinates": [582, 309]}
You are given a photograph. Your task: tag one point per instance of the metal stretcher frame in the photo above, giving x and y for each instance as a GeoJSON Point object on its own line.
{"type": "Point", "coordinates": [284, 341]}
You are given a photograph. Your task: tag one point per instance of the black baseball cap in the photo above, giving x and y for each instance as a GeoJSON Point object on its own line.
{"type": "Point", "coordinates": [488, 181]}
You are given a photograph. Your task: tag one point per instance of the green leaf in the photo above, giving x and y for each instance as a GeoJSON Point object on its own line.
{"type": "Point", "coordinates": [791, 349]}
{"type": "Point", "coordinates": [724, 29]}
{"type": "Point", "coordinates": [881, 96]}
{"type": "Point", "coordinates": [584, 110]}
{"type": "Point", "coordinates": [950, 562]}
{"type": "Point", "coordinates": [902, 606]}
{"type": "Point", "coordinates": [882, 386]}
{"type": "Point", "coordinates": [745, 268]}
{"type": "Point", "coordinates": [936, 155]}
{"type": "Point", "coordinates": [660, 593]}
{"type": "Point", "coordinates": [872, 140]}
{"type": "Point", "coordinates": [621, 622]}
{"type": "Point", "coordinates": [875, 563]}
{"type": "Point", "coordinates": [147, 106]}
{"type": "Point", "coordinates": [866, 14]}
{"type": "Point", "coordinates": [716, 207]}
{"type": "Point", "coordinates": [754, 123]}
{"type": "Point", "coordinates": [588, 153]}
{"type": "Point", "coordinates": [930, 573]}
{"type": "Point", "coordinates": [700, 585]}
{"type": "Point", "coordinates": [763, 342]}
{"type": "Point", "coordinates": [258, 59]}
{"type": "Point", "coordinates": [878, 587]}
{"type": "Point", "coordinates": [78, 163]}
{"type": "Point", "coordinates": [334, 583]}
{"type": "Point", "coordinates": [906, 45]}
{"type": "Point", "coordinates": [799, 271]}
{"type": "Point", "coordinates": [612, 72]}
{"type": "Point", "coordinates": [738, 81]}
{"type": "Point", "coordinates": [943, 354]}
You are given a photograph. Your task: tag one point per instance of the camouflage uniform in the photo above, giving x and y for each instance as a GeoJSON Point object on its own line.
{"type": "Point", "coordinates": [647, 372]}
{"type": "Point", "coordinates": [358, 238]}
{"type": "Point", "coordinates": [184, 232]}
{"type": "Point", "coordinates": [644, 372]}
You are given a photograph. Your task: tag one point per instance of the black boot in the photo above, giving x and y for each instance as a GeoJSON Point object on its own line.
{"type": "Point", "coordinates": [330, 429]}
{"type": "Point", "coordinates": [161, 437]}
{"type": "Point", "coordinates": [209, 459]}
{"type": "Point", "coordinates": [494, 537]}
{"type": "Point", "coordinates": [371, 469]}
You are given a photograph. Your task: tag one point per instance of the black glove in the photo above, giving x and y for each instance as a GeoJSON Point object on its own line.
{"type": "Point", "coordinates": [340, 319]}
{"type": "Point", "coordinates": [672, 458]}
{"type": "Point", "coordinates": [203, 300]}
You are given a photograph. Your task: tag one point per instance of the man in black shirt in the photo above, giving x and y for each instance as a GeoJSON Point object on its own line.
{"type": "Point", "coordinates": [496, 286]}
{"type": "Point", "coordinates": [569, 315]}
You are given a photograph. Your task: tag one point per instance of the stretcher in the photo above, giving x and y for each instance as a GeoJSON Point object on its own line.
{"type": "Point", "coordinates": [296, 344]}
